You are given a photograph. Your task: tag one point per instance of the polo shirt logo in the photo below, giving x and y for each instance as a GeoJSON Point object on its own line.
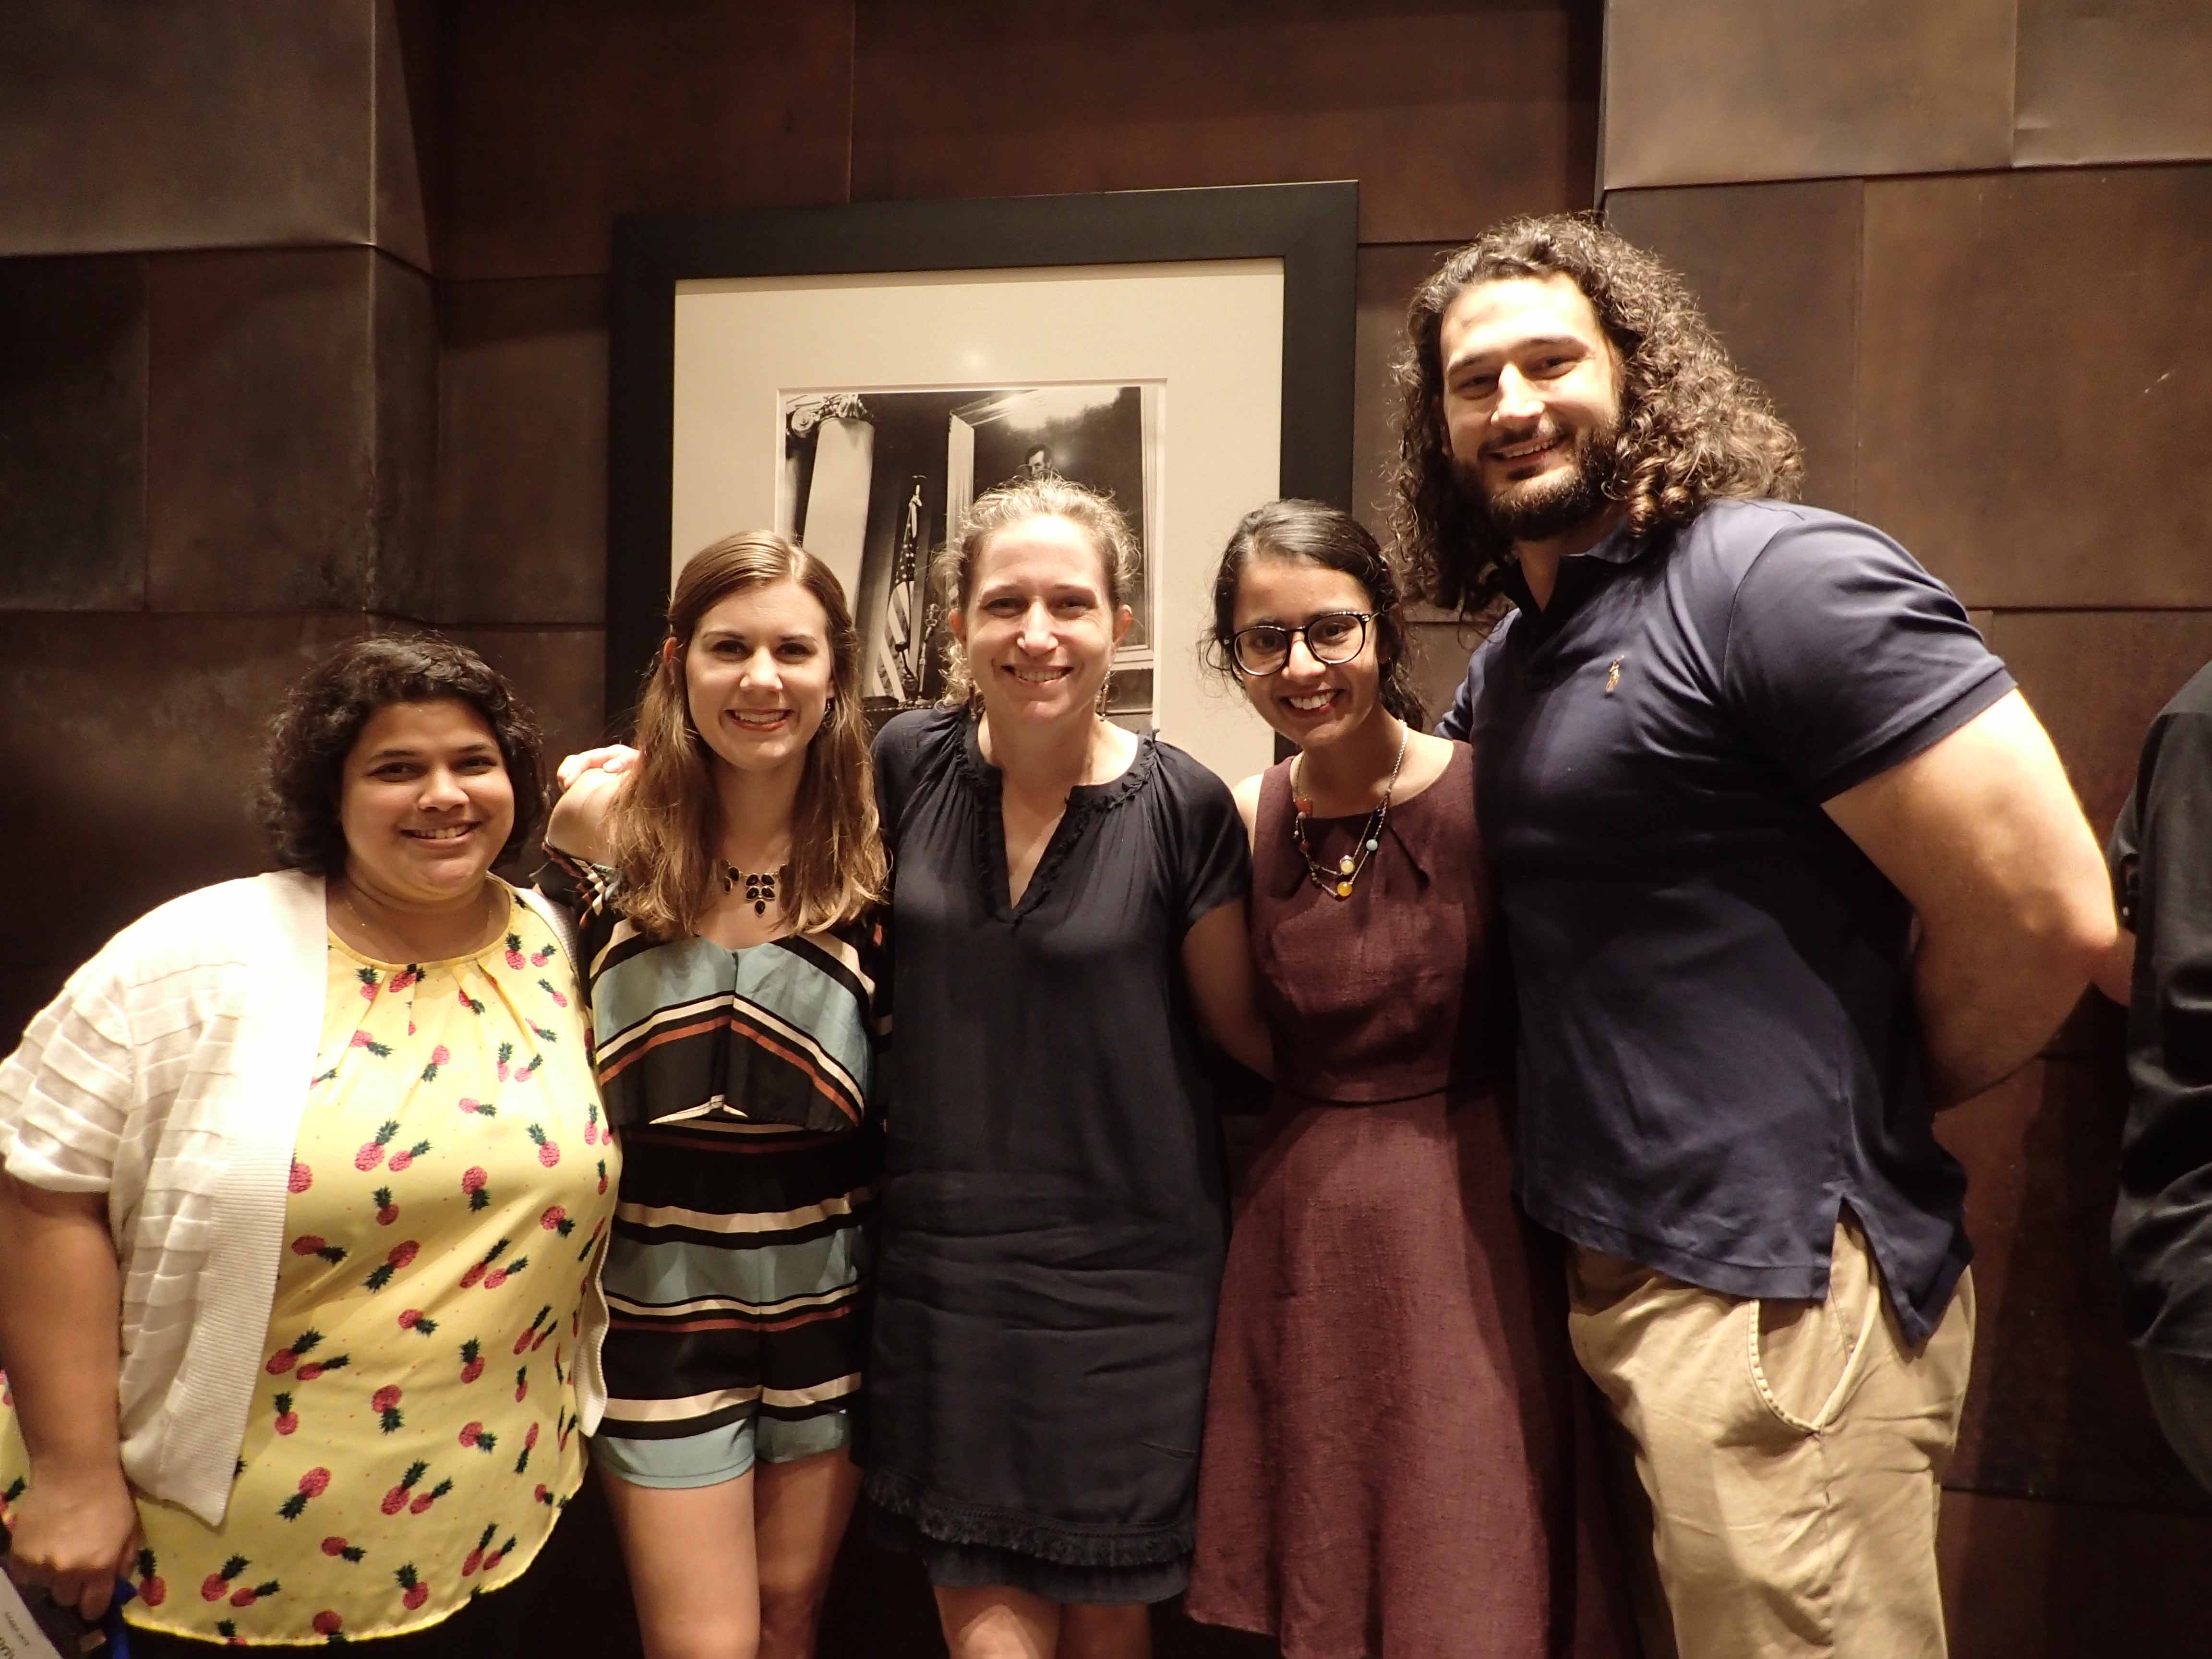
{"type": "Point", "coordinates": [1613, 677]}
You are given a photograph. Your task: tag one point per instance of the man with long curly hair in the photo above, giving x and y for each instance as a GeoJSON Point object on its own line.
{"type": "Point", "coordinates": [1785, 864]}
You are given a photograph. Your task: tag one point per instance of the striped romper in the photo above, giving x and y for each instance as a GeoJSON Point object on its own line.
{"type": "Point", "coordinates": [740, 1081]}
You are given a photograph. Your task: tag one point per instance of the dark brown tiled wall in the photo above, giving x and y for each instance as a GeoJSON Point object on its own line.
{"type": "Point", "coordinates": [2006, 368]}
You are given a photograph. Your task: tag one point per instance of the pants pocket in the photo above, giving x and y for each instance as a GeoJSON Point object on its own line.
{"type": "Point", "coordinates": [1808, 1358]}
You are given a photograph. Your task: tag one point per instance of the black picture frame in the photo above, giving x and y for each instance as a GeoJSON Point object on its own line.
{"type": "Point", "coordinates": [1313, 229]}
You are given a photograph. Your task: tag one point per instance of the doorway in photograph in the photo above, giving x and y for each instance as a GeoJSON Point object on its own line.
{"type": "Point", "coordinates": [875, 481]}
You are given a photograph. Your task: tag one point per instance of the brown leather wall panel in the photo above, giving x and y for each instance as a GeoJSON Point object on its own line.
{"type": "Point", "coordinates": [2071, 1581]}
{"type": "Point", "coordinates": [560, 113]}
{"type": "Point", "coordinates": [131, 744]}
{"type": "Point", "coordinates": [522, 474]}
{"type": "Point", "coordinates": [1776, 270]}
{"type": "Point", "coordinates": [2054, 1408]}
{"type": "Point", "coordinates": [403, 314]}
{"type": "Point", "coordinates": [72, 426]}
{"type": "Point", "coordinates": [188, 124]}
{"type": "Point", "coordinates": [1388, 276]}
{"type": "Point", "coordinates": [1449, 115]}
{"type": "Point", "coordinates": [260, 430]}
{"type": "Point", "coordinates": [2113, 80]}
{"type": "Point", "coordinates": [405, 136]}
{"type": "Point", "coordinates": [2096, 679]}
{"type": "Point", "coordinates": [1729, 90]}
{"type": "Point", "coordinates": [2035, 382]}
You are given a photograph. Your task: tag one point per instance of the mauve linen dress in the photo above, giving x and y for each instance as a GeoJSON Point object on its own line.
{"type": "Point", "coordinates": [1397, 1462]}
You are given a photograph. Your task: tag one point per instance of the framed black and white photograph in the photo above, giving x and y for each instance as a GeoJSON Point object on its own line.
{"type": "Point", "coordinates": [855, 377]}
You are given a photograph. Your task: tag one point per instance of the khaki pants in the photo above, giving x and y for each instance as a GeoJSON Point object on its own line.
{"type": "Point", "coordinates": [1793, 1453]}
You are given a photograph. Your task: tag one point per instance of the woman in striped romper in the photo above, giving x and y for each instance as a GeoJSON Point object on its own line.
{"type": "Point", "coordinates": [725, 888]}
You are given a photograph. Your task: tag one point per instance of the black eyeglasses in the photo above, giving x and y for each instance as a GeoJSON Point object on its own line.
{"type": "Point", "coordinates": [1332, 637]}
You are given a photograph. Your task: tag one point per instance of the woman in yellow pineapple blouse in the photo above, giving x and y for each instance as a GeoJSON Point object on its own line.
{"type": "Point", "coordinates": [305, 1188]}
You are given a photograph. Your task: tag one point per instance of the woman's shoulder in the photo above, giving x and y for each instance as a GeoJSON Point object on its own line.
{"type": "Point", "coordinates": [913, 734]}
{"type": "Point", "coordinates": [1187, 780]}
{"type": "Point", "coordinates": [226, 921]}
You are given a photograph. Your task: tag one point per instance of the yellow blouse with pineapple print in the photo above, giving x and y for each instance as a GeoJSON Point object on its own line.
{"type": "Point", "coordinates": [413, 1433]}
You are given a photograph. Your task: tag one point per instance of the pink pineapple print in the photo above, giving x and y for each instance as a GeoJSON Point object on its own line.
{"type": "Point", "coordinates": [528, 1073]}
{"type": "Point", "coordinates": [499, 1275]}
{"type": "Point", "coordinates": [546, 986]}
{"type": "Point", "coordinates": [404, 978]}
{"type": "Point", "coordinates": [386, 1404]}
{"type": "Point", "coordinates": [362, 1040]}
{"type": "Point", "coordinates": [289, 1355]}
{"type": "Point", "coordinates": [386, 1211]}
{"type": "Point", "coordinates": [425, 1500]}
{"type": "Point", "coordinates": [311, 1370]}
{"type": "Point", "coordinates": [288, 1420]}
{"type": "Point", "coordinates": [328, 1622]}
{"type": "Point", "coordinates": [543, 1494]}
{"type": "Point", "coordinates": [399, 1255]}
{"type": "Point", "coordinates": [246, 1595]}
{"type": "Point", "coordinates": [522, 1391]}
{"type": "Point", "coordinates": [313, 1484]}
{"type": "Point", "coordinates": [476, 1556]}
{"type": "Point", "coordinates": [477, 1437]}
{"type": "Point", "coordinates": [368, 977]}
{"type": "Point", "coordinates": [542, 1035]}
{"type": "Point", "coordinates": [499, 1555]}
{"type": "Point", "coordinates": [472, 1183]}
{"type": "Point", "coordinates": [556, 1220]}
{"type": "Point", "coordinates": [301, 1179]}
{"type": "Point", "coordinates": [338, 1549]}
{"type": "Point", "coordinates": [216, 1584]}
{"type": "Point", "coordinates": [151, 1590]}
{"type": "Point", "coordinates": [538, 1341]}
{"type": "Point", "coordinates": [591, 1123]}
{"type": "Point", "coordinates": [529, 1445]}
{"type": "Point", "coordinates": [396, 1498]}
{"type": "Point", "coordinates": [469, 1002]}
{"type": "Point", "coordinates": [227, 1629]}
{"type": "Point", "coordinates": [315, 1244]}
{"type": "Point", "coordinates": [470, 1278]}
{"type": "Point", "coordinates": [406, 1155]}
{"type": "Point", "coordinates": [413, 1591]}
{"type": "Point", "coordinates": [602, 1178]}
{"type": "Point", "coordinates": [524, 1341]}
{"type": "Point", "coordinates": [415, 1320]}
{"type": "Point", "coordinates": [439, 1056]}
{"type": "Point", "coordinates": [372, 1154]}
{"type": "Point", "coordinates": [514, 951]}
{"type": "Point", "coordinates": [540, 958]}
{"type": "Point", "coordinates": [481, 1108]}
{"type": "Point", "coordinates": [472, 1362]}
{"type": "Point", "coordinates": [500, 1062]}
{"type": "Point", "coordinates": [549, 1150]}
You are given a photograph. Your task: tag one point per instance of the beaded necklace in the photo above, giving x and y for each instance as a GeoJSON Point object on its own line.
{"type": "Point", "coordinates": [1339, 880]}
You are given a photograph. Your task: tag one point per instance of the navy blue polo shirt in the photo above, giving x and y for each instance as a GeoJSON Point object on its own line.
{"type": "Point", "coordinates": [1718, 1047]}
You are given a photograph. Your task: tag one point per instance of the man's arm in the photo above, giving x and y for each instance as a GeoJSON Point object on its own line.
{"type": "Point", "coordinates": [1981, 833]}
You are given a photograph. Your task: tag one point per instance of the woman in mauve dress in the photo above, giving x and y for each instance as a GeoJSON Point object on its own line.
{"type": "Point", "coordinates": [1396, 1463]}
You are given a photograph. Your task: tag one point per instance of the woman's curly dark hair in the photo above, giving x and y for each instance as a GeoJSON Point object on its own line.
{"type": "Point", "coordinates": [1692, 427]}
{"type": "Point", "coordinates": [321, 721]}
{"type": "Point", "coordinates": [1313, 532]}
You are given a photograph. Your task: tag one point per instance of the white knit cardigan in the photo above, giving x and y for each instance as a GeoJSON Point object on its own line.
{"type": "Point", "coordinates": [170, 1074]}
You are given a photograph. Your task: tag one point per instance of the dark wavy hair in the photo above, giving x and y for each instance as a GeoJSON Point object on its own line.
{"type": "Point", "coordinates": [323, 713]}
{"type": "Point", "coordinates": [1692, 427]}
{"type": "Point", "coordinates": [1313, 532]}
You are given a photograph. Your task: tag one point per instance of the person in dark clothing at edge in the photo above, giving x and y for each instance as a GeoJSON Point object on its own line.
{"type": "Point", "coordinates": [2160, 970]}
{"type": "Point", "coordinates": [1786, 865]}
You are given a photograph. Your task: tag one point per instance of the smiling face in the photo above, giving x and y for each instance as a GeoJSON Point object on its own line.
{"type": "Point", "coordinates": [1311, 702]}
{"type": "Point", "coordinates": [1040, 626]}
{"type": "Point", "coordinates": [425, 802]}
{"type": "Point", "coordinates": [758, 674]}
{"type": "Point", "coordinates": [1531, 403]}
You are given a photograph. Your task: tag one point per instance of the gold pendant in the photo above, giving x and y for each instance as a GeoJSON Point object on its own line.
{"type": "Point", "coordinates": [1344, 866]}
{"type": "Point", "coordinates": [1343, 889]}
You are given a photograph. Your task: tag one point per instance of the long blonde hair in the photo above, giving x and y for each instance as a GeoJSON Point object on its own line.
{"type": "Point", "coordinates": [661, 830]}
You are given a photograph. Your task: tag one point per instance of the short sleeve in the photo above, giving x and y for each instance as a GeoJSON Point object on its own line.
{"type": "Point", "coordinates": [2121, 863]}
{"type": "Point", "coordinates": [2174, 907]}
{"type": "Point", "coordinates": [1844, 658]}
{"type": "Point", "coordinates": [65, 1093]}
{"type": "Point", "coordinates": [1213, 856]}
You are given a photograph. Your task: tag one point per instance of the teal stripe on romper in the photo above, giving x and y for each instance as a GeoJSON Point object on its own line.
{"type": "Point", "coordinates": [660, 1274]}
{"type": "Point", "coordinates": [642, 988]}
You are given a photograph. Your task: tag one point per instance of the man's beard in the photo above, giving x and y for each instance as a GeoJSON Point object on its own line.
{"type": "Point", "coordinates": [1541, 508]}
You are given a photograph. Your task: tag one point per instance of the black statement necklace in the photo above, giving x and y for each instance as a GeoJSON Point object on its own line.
{"type": "Point", "coordinates": [1338, 879]}
{"type": "Point", "coordinates": [761, 885]}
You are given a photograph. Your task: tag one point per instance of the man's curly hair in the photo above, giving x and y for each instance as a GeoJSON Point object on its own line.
{"type": "Point", "coordinates": [1692, 427]}
{"type": "Point", "coordinates": [322, 718]}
